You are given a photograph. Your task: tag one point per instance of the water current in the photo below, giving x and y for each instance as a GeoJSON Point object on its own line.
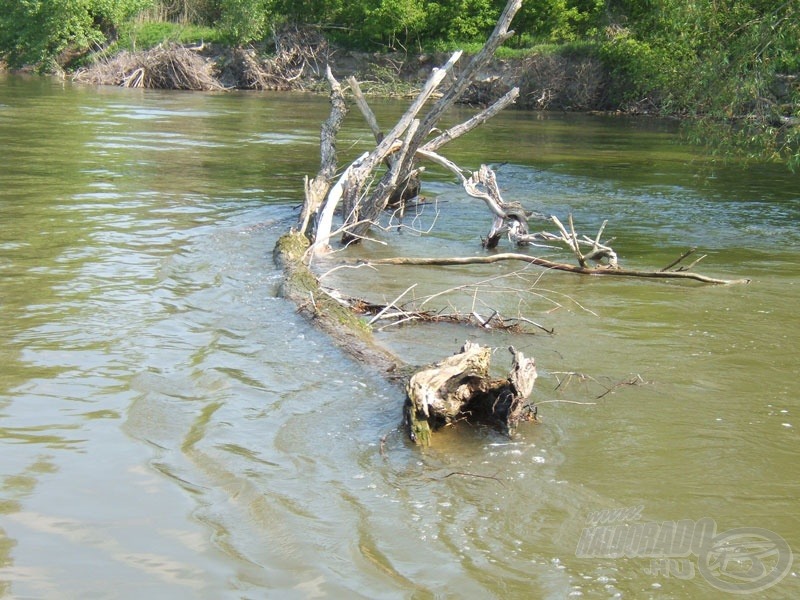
{"type": "Point", "coordinates": [171, 428]}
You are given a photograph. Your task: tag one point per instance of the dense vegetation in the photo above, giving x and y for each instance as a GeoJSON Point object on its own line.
{"type": "Point", "coordinates": [730, 64]}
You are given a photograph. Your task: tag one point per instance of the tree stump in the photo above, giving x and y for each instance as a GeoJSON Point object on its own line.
{"type": "Point", "coordinates": [460, 388]}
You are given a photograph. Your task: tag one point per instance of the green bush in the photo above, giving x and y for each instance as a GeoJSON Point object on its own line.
{"type": "Point", "coordinates": [245, 21]}
{"type": "Point", "coordinates": [36, 32]}
{"type": "Point", "coordinates": [633, 68]}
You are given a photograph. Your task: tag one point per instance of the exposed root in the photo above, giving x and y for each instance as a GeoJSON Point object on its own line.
{"type": "Point", "coordinates": [460, 388]}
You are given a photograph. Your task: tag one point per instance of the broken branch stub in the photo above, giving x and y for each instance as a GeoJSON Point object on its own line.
{"type": "Point", "coordinates": [508, 216]}
{"type": "Point", "coordinates": [459, 387]}
{"type": "Point", "coordinates": [317, 189]}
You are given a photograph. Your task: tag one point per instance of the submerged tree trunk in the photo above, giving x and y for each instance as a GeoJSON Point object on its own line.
{"type": "Point", "coordinates": [459, 387]}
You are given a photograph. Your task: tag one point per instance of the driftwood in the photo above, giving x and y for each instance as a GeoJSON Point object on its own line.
{"type": "Point", "coordinates": [542, 262]}
{"type": "Point", "coordinates": [162, 67]}
{"type": "Point", "coordinates": [460, 388]}
{"type": "Point", "coordinates": [408, 141]}
{"type": "Point", "coordinates": [474, 394]}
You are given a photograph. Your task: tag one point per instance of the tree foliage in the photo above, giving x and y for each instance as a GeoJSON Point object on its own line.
{"type": "Point", "coordinates": [243, 21]}
{"type": "Point", "coordinates": [732, 65]}
{"type": "Point", "coordinates": [37, 31]}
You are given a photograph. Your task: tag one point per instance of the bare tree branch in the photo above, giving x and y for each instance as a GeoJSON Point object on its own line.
{"type": "Point", "coordinates": [473, 260]}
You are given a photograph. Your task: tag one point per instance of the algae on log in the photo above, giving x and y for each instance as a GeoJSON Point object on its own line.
{"type": "Point", "coordinates": [301, 286]}
{"type": "Point", "coordinates": [460, 388]}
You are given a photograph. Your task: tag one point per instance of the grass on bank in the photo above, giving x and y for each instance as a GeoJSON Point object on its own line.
{"type": "Point", "coordinates": [149, 34]}
{"type": "Point", "coordinates": [146, 35]}
{"type": "Point", "coordinates": [528, 47]}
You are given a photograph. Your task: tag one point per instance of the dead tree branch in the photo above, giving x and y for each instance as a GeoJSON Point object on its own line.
{"type": "Point", "coordinates": [482, 260]}
{"type": "Point", "coordinates": [360, 206]}
{"type": "Point", "coordinates": [317, 189]}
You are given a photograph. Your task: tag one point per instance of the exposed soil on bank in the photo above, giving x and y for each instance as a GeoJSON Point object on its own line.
{"type": "Point", "coordinates": [297, 61]}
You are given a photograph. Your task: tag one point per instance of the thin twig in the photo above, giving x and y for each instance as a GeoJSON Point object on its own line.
{"type": "Point", "coordinates": [392, 303]}
{"type": "Point", "coordinates": [565, 402]}
{"type": "Point", "coordinates": [679, 259]}
{"type": "Point", "coordinates": [477, 475]}
{"type": "Point", "coordinates": [692, 264]}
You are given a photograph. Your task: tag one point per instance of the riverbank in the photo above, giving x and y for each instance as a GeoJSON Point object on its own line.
{"type": "Point", "coordinates": [566, 80]}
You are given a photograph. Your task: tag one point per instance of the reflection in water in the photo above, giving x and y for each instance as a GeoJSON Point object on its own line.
{"type": "Point", "coordinates": [170, 428]}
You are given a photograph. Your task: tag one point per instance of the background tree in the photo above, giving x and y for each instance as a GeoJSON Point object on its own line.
{"type": "Point", "coordinates": [731, 65]}
{"type": "Point", "coordinates": [245, 21]}
{"type": "Point", "coordinates": [37, 31]}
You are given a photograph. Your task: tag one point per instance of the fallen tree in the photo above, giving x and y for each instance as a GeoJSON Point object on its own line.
{"type": "Point", "coordinates": [459, 387]}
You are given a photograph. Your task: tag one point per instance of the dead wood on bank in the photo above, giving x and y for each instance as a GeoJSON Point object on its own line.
{"type": "Point", "coordinates": [163, 67]}
{"type": "Point", "coordinates": [296, 60]}
{"type": "Point", "coordinates": [299, 56]}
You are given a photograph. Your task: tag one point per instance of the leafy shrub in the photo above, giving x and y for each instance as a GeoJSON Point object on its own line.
{"type": "Point", "coordinates": [37, 31]}
{"type": "Point", "coordinates": [245, 21]}
{"type": "Point", "coordinates": [635, 69]}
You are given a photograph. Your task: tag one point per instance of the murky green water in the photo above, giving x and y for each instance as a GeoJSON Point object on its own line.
{"type": "Point", "coordinates": [170, 429]}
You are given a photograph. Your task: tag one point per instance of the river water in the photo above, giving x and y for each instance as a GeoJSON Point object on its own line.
{"type": "Point", "coordinates": [170, 428]}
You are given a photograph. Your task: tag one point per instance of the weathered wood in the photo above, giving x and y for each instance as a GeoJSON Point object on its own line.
{"type": "Point", "coordinates": [462, 128]}
{"type": "Point", "coordinates": [457, 388]}
{"type": "Point", "coordinates": [549, 264]}
{"type": "Point", "coordinates": [359, 213]}
{"type": "Point", "coordinates": [366, 110]}
{"type": "Point", "coordinates": [460, 388]}
{"type": "Point", "coordinates": [317, 189]}
{"type": "Point", "coordinates": [363, 209]}
{"type": "Point", "coordinates": [404, 190]}
{"type": "Point", "coordinates": [508, 216]}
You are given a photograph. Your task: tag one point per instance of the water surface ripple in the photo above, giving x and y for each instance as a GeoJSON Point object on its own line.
{"type": "Point", "coordinates": [170, 428]}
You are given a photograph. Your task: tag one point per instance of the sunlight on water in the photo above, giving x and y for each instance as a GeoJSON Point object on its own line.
{"type": "Point", "coordinates": [171, 428]}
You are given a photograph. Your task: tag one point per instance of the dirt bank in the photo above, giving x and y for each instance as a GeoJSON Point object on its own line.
{"type": "Point", "coordinates": [297, 62]}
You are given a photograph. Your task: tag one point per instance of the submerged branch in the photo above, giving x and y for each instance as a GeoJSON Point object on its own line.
{"type": "Point", "coordinates": [542, 262]}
